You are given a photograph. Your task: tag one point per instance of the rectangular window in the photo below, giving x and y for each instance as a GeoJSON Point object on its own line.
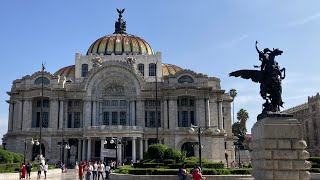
{"type": "Point", "coordinates": [46, 103]}
{"type": "Point", "coordinates": [192, 117]}
{"type": "Point", "coordinates": [141, 69]}
{"type": "Point", "coordinates": [152, 69]}
{"type": "Point", "coordinates": [191, 102]}
{"type": "Point", "coordinates": [146, 119]}
{"type": "Point", "coordinates": [70, 103]}
{"type": "Point", "coordinates": [184, 102]}
{"type": "Point", "coordinates": [152, 118]}
{"type": "Point", "coordinates": [45, 119]}
{"type": "Point", "coordinates": [105, 118]}
{"type": "Point", "coordinates": [69, 120]}
{"type": "Point", "coordinates": [114, 118]}
{"type": "Point", "coordinates": [184, 117]}
{"type": "Point", "coordinates": [77, 103]}
{"type": "Point", "coordinates": [123, 118]}
{"type": "Point", "coordinates": [39, 103]}
{"type": "Point", "coordinates": [106, 103]}
{"type": "Point", "coordinates": [76, 120]}
{"type": "Point", "coordinates": [159, 119]}
{"type": "Point", "coordinates": [38, 120]}
{"type": "Point", "coordinates": [123, 103]}
{"type": "Point", "coordinates": [114, 103]}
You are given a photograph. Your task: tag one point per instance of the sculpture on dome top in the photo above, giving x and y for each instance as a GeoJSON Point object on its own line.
{"type": "Point", "coordinates": [269, 76]}
{"type": "Point", "coordinates": [120, 25]}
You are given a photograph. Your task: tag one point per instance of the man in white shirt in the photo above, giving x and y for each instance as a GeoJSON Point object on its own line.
{"type": "Point", "coordinates": [95, 169]}
{"type": "Point", "coordinates": [100, 170]}
{"type": "Point", "coordinates": [108, 168]}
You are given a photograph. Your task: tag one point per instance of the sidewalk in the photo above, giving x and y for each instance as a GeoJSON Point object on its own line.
{"type": "Point", "coordinates": [9, 176]}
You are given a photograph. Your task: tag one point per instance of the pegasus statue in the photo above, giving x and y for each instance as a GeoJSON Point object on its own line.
{"type": "Point", "coordinates": [269, 76]}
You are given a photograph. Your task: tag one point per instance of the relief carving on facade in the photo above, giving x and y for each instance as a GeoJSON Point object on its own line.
{"type": "Point", "coordinates": [114, 90]}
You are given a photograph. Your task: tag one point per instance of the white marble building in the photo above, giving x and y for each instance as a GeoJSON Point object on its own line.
{"type": "Point", "coordinates": [110, 92]}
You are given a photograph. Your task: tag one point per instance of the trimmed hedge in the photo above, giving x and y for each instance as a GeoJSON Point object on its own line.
{"type": "Point", "coordinates": [10, 167]}
{"type": "Point", "coordinates": [147, 165]}
{"type": "Point", "coordinates": [314, 170]}
{"type": "Point", "coordinates": [168, 161]}
{"type": "Point", "coordinates": [152, 171]}
{"type": "Point", "coordinates": [204, 165]}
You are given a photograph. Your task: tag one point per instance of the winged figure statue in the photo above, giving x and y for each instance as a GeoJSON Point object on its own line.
{"type": "Point", "coordinates": [269, 76]}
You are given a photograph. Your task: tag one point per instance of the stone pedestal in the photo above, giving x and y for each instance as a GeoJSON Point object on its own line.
{"type": "Point", "coordinates": [40, 159]}
{"type": "Point", "coordinates": [278, 149]}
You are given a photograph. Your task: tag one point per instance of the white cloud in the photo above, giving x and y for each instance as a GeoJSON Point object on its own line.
{"type": "Point", "coordinates": [303, 21]}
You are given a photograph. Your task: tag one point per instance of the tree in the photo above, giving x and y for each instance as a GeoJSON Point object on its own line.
{"type": "Point", "coordinates": [236, 128]}
{"type": "Point", "coordinates": [242, 116]}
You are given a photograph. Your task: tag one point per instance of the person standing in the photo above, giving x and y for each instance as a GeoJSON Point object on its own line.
{"type": "Point", "coordinates": [23, 171]}
{"type": "Point", "coordinates": [89, 169]}
{"type": "Point", "coordinates": [45, 169]}
{"type": "Point", "coordinates": [182, 174]}
{"type": "Point", "coordinates": [95, 169]}
{"type": "Point", "coordinates": [28, 168]}
{"type": "Point", "coordinates": [108, 168]}
{"type": "Point", "coordinates": [101, 170]}
{"type": "Point", "coordinates": [196, 175]}
{"type": "Point", "coordinates": [40, 169]}
{"type": "Point", "coordinates": [80, 173]}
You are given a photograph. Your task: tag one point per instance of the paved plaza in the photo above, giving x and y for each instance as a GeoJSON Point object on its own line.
{"type": "Point", "coordinates": [70, 175]}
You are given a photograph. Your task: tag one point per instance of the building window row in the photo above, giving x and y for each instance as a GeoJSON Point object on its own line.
{"type": "Point", "coordinates": [74, 103]}
{"type": "Point", "coordinates": [46, 103]}
{"type": "Point", "coordinates": [150, 119]}
{"type": "Point", "coordinates": [152, 69]}
{"type": "Point", "coordinates": [186, 102]}
{"type": "Point", "coordinates": [74, 119]}
{"type": "Point", "coordinates": [151, 103]}
{"type": "Point", "coordinates": [45, 120]}
{"type": "Point", "coordinates": [117, 118]}
{"type": "Point", "coordinates": [115, 103]}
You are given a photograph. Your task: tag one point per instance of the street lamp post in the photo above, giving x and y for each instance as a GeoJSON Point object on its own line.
{"type": "Point", "coordinates": [156, 115]}
{"type": "Point", "coordinates": [26, 142]}
{"type": "Point", "coordinates": [191, 130]}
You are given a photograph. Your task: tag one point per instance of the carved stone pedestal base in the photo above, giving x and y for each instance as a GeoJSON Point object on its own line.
{"type": "Point", "coordinates": [278, 149]}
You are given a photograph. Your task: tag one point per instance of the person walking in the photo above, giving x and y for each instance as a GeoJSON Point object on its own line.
{"type": "Point", "coordinates": [45, 169]}
{"type": "Point", "coordinates": [23, 171]}
{"type": "Point", "coordinates": [182, 174]}
{"type": "Point", "coordinates": [28, 168]}
{"type": "Point", "coordinates": [108, 169]}
{"type": "Point", "coordinates": [101, 170]}
{"type": "Point", "coordinates": [40, 169]}
{"type": "Point", "coordinates": [80, 173]}
{"type": "Point", "coordinates": [95, 169]}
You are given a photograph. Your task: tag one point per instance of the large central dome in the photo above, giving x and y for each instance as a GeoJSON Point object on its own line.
{"type": "Point", "coordinates": [119, 44]}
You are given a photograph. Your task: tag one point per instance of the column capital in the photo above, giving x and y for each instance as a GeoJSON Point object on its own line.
{"type": "Point", "coordinates": [134, 138]}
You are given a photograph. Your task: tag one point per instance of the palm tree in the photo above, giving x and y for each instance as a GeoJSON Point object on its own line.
{"type": "Point", "coordinates": [243, 116]}
{"type": "Point", "coordinates": [233, 94]}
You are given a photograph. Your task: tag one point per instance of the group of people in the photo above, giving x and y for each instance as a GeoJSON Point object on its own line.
{"type": "Point", "coordinates": [25, 170]}
{"type": "Point", "coordinates": [196, 172]}
{"type": "Point", "coordinates": [96, 170]}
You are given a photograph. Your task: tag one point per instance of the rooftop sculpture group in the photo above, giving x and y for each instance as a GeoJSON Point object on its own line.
{"type": "Point", "coordinates": [269, 76]}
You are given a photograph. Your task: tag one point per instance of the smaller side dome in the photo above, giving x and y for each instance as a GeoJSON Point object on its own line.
{"type": "Point", "coordinates": [68, 71]}
{"type": "Point", "coordinates": [170, 69]}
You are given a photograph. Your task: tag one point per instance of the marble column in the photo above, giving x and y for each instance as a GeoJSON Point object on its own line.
{"type": "Point", "coordinates": [83, 149]}
{"type": "Point", "coordinates": [173, 113]}
{"type": "Point", "coordinates": [102, 139]}
{"type": "Point", "coordinates": [94, 113]}
{"type": "Point", "coordinates": [20, 114]}
{"type": "Point", "coordinates": [79, 149]}
{"type": "Point", "coordinates": [61, 114]}
{"type": "Point", "coordinates": [207, 113]}
{"type": "Point", "coordinates": [133, 113]}
{"type": "Point", "coordinates": [165, 114]}
{"type": "Point", "coordinates": [134, 150]}
{"type": "Point", "coordinates": [10, 116]}
{"type": "Point", "coordinates": [220, 114]}
{"type": "Point", "coordinates": [86, 114]}
{"type": "Point", "coordinates": [27, 114]}
{"type": "Point", "coordinates": [119, 153]}
{"type": "Point", "coordinates": [53, 115]}
{"type": "Point", "coordinates": [141, 148]}
{"type": "Point", "coordinates": [146, 144]}
{"type": "Point", "coordinates": [140, 113]}
{"type": "Point", "coordinates": [89, 150]}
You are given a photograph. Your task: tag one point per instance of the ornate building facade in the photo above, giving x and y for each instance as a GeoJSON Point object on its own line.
{"type": "Point", "coordinates": [309, 115]}
{"type": "Point", "coordinates": [110, 92]}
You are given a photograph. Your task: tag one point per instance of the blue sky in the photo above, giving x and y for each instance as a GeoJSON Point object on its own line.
{"type": "Point", "coordinates": [211, 37]}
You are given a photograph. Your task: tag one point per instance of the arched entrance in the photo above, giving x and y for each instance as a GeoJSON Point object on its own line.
{"type": "Point", "coordinates": [36, 150]}
{"type": "Point", "coordinates": [188, 147]}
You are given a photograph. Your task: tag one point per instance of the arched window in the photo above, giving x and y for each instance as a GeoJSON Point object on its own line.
{"type": "Point", "coordinates": [141, 69]}
{"type": "Point", "coordinates": [185, 79]}
{"type": "Point", "coordinates": [39, 81]}
{"type": "Point", "coordinates": [152, 69]}
{"type": "Point", "coordinates": [84, 70]}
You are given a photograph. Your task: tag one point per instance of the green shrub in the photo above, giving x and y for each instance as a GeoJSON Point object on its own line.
{"type": "Point", "coordinates": [314, 170]}
{"type": "Point", "coordinates": [213, 165]}
{"type": "Point", "coordinates": [5, 156]}
{"type": "Point", "coordinates": [156, 151]}
{"type": "Point", "coordinates": [10, 167]}
{"type": "Point", "coordinates": [314, 160]}
{"type": "Point", "coordinates": [168, 161]}
{"type": "Point", "coordinates": [170, 153]}
{"type": "Point", "coordinates": [241, 171]}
